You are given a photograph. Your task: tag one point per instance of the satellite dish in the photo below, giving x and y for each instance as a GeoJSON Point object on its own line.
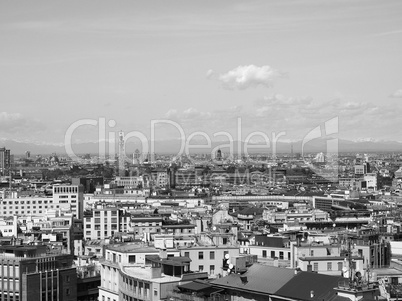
{"type": "Point", "coordinates": [227, 256]}
{"type": "Point", "coordinates": [231, 266]}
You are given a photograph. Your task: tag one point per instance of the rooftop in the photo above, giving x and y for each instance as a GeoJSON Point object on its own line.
{"type": "Point", "coordinates": [145, 273]}
{"type": "Point", "coordinates": [259, 278]}
{"type": "Point", "coordinates": [138, 248]}
{"type": "Point", "coordinates": [301, 285]}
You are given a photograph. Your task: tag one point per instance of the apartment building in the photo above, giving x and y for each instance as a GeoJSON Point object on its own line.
{"type": "Point", "coordinates": [104, 221]}
{"type": "Point", "coordinates": [129, 182]}
{"type": "Point", "coordinates": [35, 205]}
{"type": "Point", "coordinates": [146, 226]}
{"type": "Point", "coordinates": [210, 259]}
{"type": "Point", "coordinates": [29, 273]}
{"type": "Point", "coordinates": [72, 195]}
{"type": "Point", "coordinates": [125, 265]}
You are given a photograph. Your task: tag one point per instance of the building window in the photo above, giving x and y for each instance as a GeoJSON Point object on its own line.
{"type": "Point", "coordinates": [329, 266]}
{"type": "Point", "coordinates": [200, 268]}
{"type": "Point", "coordinates": [187, 254]}
{"type": "Point", "coordinates": [264, 253]}
{"type": "Point", "coordinates": [272, 254]}
{"type": "Point", "coordinates": [315, 266]}
{"type": "Point", "coordinates": [212, 269]}
{"type": "Point", "coordinates": [212, 255]}
{"type": "Point", "coordinates": [200, 255]}
{"type": "Point", "coordinates": [340, 266]}
{"type": "Point", "coordinates": [280, 255]}
{"type": "Point", "coordinates": [311, 252]}
{"type": "Point", "coordinates": [131, 258]}
{"type": "Point", "coordinates": [155, 293]}
{"type": "Point", "coordinates": [67, 278]}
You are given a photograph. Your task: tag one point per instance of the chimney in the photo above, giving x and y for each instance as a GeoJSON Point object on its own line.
{"type": "Point", "coordinates": [162, 253]}
{"type": "Point", "coordinates": [243, 279]}
{"type": "Point", "coordinates": [156, 271]}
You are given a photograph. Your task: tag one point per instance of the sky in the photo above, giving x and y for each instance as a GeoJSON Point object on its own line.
{"type": "Point", "coordinates": [239, 67]}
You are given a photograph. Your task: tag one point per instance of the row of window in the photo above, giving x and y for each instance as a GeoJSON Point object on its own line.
{"type": "Point", "coordinates": [329, 266]}
{"type": "Point", "coordinates": [137, 287]}
{"type": "Point", "coordinates": [29, 207]}
{"type": "Point", "coordinates": [273, 254]}
{"type": "Point", "coordinates": [22, 212]}
{"type": "Point", "coordinates": [98, 213]}
{"type": "Point", "coordinates": [67, 196]}
{"type": "Point", "coordinates": [147, 224]}
{"type": "Point", "coordinates": [201, 254]}
{"type": "Point", "coordinates": [65, 189]}
{"type": "Point", "coordinates": [98, 227]}
{"type": "Point", "coordinates": [98, 234]}
{"type": "Point", "coordinates": [211, 269]}
{"type": "Point", "coordinates": [15, 202]}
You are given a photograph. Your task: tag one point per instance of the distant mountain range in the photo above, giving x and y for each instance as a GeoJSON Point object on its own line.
{"type": "Point", "coordinates": [173, 146]}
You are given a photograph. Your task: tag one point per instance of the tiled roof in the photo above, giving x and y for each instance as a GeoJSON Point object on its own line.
{"type": "Point", "coordinates": [300, 286]}
{"type": "Point", "coordinates": [261, 279]}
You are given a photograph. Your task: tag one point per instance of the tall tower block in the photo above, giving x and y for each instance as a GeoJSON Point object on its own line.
{"type": "Point", "coordinates": [121, 154]}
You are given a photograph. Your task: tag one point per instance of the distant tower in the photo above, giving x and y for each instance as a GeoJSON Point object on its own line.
{"type": "Point", "coordinates": [121, 154]}
{"type": "Point", "coordinates": [27, 154]}
{"type": "Point", "coordinates": [219, 155]}
{"type": "Point", "coordinates": [136, 157]}
{"type": "Point", "coordinates": [291, 150]}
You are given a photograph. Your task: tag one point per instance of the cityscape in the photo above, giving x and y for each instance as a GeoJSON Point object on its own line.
{"type": "Point", "coordinates": [200, 151]}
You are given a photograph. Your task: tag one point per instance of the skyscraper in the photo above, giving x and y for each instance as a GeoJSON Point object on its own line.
{"type": "Point", "coordinates": [5, 161]}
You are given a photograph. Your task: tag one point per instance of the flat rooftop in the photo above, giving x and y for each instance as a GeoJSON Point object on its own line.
{"type": "Point", "coordinates": [138, 248]}
{"type": "Point", "coordinates": [145, 273]}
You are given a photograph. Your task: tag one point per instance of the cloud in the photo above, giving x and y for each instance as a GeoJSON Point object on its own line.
{"type": "Point", "coordinates": [11, 123]}
{"type": "Point", "coordinates": [188, 115]}
{"type": "Point", "coordinates": [210, 74]}
{"type": "Point", "coordinates": [171, 114]}
{"type": "Point", "coordinates": [397, 94]}
{"type": "Point", "coordinates": [244, 77]}
{"type": "Point", "coordinates": [387, 33]}
{"type": "Point", "coordinates": [294, 116]}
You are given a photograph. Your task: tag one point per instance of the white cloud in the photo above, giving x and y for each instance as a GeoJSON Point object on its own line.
{"type": "Point", "coordinates": [397, 94]}
{"type": "Point", "coordinates": [210, 74]}
{"type": "Point", "coordinates": [172, 113]}
{"type": "Point", "coordinates": [295, 116]}
{"type": "Point", "coordinates": [11, 123]}
{"type": "Point", "coordinates": [244, 77]}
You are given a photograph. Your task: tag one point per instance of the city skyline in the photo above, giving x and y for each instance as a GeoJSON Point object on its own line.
{"type": "Point", "coordinates": [279, 66]}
